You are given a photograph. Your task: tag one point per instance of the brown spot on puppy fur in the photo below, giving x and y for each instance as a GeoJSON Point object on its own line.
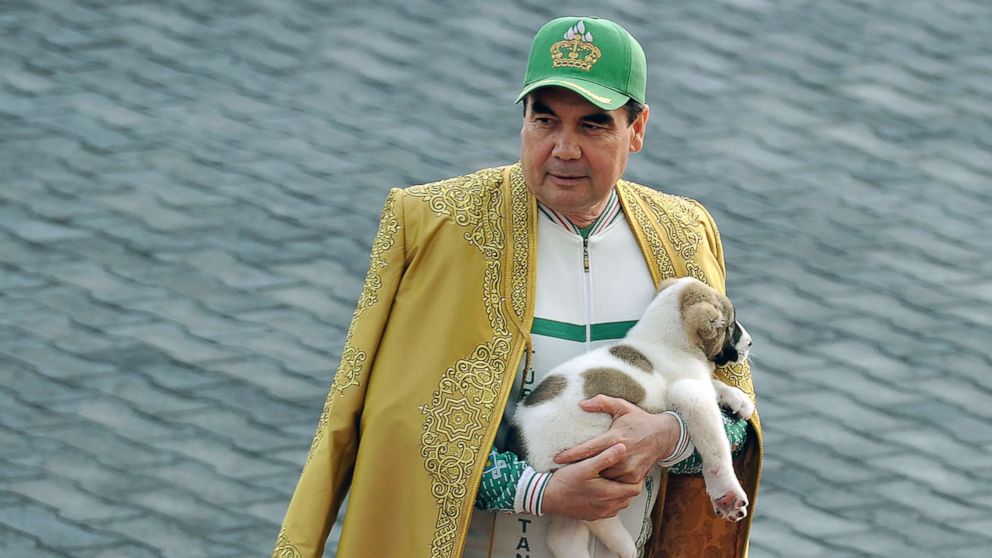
{"type": "Point", "coordinates": [705, 315]}
{"type": "Point", "coordinates": [612, 382]}
{"type": "Point", "coordinates": [632, 357]}
{"type": "Point", "coordinates": [548, 389]}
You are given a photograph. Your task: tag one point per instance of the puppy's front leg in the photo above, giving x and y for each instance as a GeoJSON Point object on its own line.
{"type": "Point", "coordinates": [695, 400]}
{"type": "Point", "coordinates": [734, 399]}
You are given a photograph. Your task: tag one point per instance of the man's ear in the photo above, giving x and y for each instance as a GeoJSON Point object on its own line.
{"type": "Point", "coordinates": [639, 126]}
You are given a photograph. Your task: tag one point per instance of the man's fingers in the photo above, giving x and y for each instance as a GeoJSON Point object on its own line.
{"type": "Point", "coordinates": [605, 459]}
{"type": "Point", "coordinates": [605, 404]}
{"type": "Point", "coordinates": [586, 449]}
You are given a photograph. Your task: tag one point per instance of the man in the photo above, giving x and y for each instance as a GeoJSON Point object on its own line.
{"type": "Point", "coordinates": [478, 285]}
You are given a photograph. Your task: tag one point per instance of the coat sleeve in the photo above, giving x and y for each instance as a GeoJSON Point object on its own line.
{"type": "Point", "coordinates": [327, 473]}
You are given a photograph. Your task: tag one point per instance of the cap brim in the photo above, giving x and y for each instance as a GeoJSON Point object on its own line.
{"type": "Point", "coordinates": [603, 97]}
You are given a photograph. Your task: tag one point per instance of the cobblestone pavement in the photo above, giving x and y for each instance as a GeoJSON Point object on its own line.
{"type": "Point", "coordinates": [188, 191]}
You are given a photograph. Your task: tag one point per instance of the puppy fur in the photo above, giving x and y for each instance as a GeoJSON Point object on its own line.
{"type": "Point", "coordinates": [666, 361]}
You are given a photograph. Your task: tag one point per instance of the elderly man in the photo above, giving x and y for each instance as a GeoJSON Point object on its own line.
{"type": "Point", "coordinates": [480, 284]}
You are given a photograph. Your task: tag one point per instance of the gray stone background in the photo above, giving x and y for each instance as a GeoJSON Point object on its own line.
{"type": "Point", "coordinates": [188, 191]}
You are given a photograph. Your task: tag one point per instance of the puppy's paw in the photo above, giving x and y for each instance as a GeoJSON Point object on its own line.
{"type": "Point", "coordinates": [732, 505]}
{"type": "Point", "coordinates": [737, 401]}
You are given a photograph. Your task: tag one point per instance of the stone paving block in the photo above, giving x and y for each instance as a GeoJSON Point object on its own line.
{"type": "Point", "coordinates": [947, 478]}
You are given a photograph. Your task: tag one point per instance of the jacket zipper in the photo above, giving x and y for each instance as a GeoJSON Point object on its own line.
{"type": "Point", "coordinates": [588, 288]}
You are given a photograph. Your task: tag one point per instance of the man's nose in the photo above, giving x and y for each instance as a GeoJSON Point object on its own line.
{"type": "Point", "coordinates": [566, 146]}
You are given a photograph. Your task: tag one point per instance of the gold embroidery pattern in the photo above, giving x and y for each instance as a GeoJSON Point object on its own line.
{"type": "Point", "coordinates": [469, 206]}
{"type": "Point", "coordinates": [285, 549]}
{"type": "Point", "coordinates": [737, 375]}
{"type": "Point", "coordinates": [353, 358]}
{"type": "Point", "coordinates": [658, 250]}
{"type": "Point", "coordinates": [679, 217]}
{"type": "Point", "coordinates": [465, 400]}
{"type": "Point", "coordinates": [521, 241]}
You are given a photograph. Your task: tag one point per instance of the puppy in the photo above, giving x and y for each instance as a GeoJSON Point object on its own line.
{"type": "Point", "coordinates": [666, 361]}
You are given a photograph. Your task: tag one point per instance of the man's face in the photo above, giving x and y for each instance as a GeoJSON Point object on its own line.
{"type": "Point", "coordinates": [573, 152]}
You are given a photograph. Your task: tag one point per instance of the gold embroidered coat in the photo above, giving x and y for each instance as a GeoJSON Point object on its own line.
{"type": "Point", "coordinates": [436, 339]}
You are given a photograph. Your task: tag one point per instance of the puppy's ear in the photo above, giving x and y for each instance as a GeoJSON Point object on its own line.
{"type": "Point", "coordinates": [706, 325]}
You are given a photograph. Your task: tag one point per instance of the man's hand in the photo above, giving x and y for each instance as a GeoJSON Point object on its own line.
{"type": "Point", "coordinates": [647, 438]}
{"type": "Point", "coordinates": [579, 490]}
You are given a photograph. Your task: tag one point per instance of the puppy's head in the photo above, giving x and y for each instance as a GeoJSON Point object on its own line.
{"type": "Point", "coordinates": [709, 320]}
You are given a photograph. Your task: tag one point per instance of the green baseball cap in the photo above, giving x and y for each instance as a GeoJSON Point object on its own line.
{"type": "Point", "coordinates": [593, 57]}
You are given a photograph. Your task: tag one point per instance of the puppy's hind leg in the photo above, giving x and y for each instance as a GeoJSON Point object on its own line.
{"type": "Point", "coordinates": [568, 538]}
{"type": "Point", "coordinates": [695, 400]}
{"type": "Point", "coordinates": [612, 533]}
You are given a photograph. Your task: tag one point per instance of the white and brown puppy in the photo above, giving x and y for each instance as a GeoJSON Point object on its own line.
{"type": "Point", "coordinates": [666, 361]}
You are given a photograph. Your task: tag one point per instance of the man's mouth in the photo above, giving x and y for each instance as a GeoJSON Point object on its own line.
{"type": "Point", "coordinates": [565, 179]}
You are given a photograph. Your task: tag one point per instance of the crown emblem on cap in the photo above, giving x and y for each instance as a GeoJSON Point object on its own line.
{"type": "Point", "coordinates": [577, 50]}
